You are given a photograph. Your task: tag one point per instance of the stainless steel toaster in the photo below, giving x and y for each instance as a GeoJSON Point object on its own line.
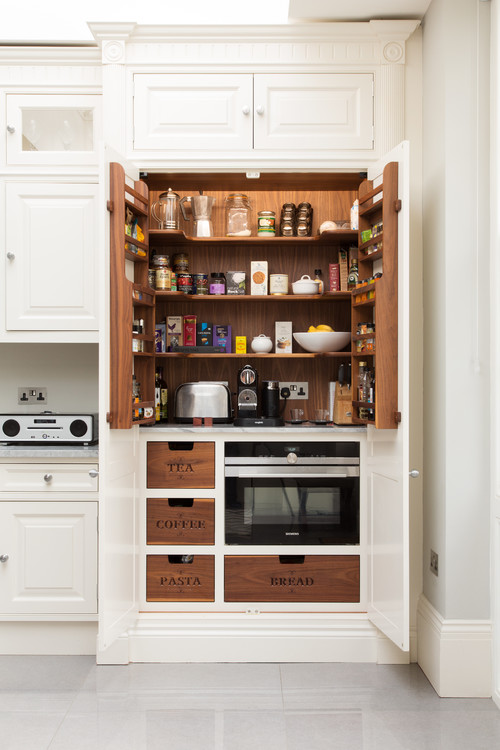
{"type": "Point", "coordinates": [203, 399]}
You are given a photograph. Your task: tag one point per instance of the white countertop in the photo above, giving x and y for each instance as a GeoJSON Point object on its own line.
{"type": "Point", "coordinates": [297, 429]}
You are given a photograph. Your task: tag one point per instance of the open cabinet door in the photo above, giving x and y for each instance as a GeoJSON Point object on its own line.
{"type": "Point", "coordinates": [388, 455]}
{"type": "Point", "coordinates": [118, 598]}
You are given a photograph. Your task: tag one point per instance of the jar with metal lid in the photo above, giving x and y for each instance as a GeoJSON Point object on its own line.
{"type": "Point", "coordinates": [217, 283]}
{"type": "Point", "coordinates": [237, 212]}
{"type": "Point", "coordinates": [160, 261]}
{"type": "Point", "coordinates": [180, 263]}
{"type": "Point", "coordinates": [266, 224]}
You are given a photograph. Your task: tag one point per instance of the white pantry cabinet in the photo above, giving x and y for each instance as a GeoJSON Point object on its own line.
{"type": "Point", "coordinates": [51, 256]}
{"type": "Point", "coordinates": [229, 112]}
{"type": "Point", "coordinates": [48, 557]}
{"type": "Point", "coordinates": [52, 129]}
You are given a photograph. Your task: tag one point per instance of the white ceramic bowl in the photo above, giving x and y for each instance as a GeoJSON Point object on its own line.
{"type": "Point", "coordinates": [261, 344]}
{"type": "Point", "coordinates": [322, 341]}
{"type": "Point", "coordinates": [305, 285]}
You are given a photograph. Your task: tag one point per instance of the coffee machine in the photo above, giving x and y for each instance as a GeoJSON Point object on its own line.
{"type": "Point", "coordinates": [252, 412]}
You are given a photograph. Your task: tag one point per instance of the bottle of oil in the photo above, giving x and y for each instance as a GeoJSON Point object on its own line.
{"type": "Point", "coordinates": [353, 277]}
{"type": "Point", "coordinates": [163, 394]}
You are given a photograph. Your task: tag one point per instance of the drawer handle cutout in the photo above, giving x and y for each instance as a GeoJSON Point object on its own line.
{"type": "Point", "coordinates": [180, 502]}
{"type": "Point", "coordinates": [181, 559]}
{"type": "Point", "coordinates": [292, 559]}
{"type": "Point", "coordinates": [174, 446]}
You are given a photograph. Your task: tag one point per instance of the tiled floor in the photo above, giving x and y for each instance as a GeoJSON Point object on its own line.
{"type": "Point", "coordinates": [68, 703]}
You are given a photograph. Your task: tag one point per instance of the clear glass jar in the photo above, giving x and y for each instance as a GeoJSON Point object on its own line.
{"type": "Point", "coordinates": [237, 210]}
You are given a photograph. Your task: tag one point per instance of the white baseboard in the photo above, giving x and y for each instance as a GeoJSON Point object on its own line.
{"type": "Point", "coordinates": [42, 638]}
{"type": "Point", "coordinates": [455, 655]}
{"type": "Point", "coordinates": [266, 638]}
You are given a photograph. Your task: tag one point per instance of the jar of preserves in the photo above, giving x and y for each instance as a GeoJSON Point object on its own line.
{"type": "Point", "coordinates": [180, 263]}
{"type": "Point", "coordinates": [217, 283]}
{"type": "Point", "coordinates": [237, 213]}
{"type": "Point", "coordinates": [266, 224]}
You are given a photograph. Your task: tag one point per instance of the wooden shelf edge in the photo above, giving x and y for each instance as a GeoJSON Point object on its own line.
{"type": "Point", "coordinates": [333, 235]}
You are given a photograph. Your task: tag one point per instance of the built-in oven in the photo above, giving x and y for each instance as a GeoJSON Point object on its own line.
{"type": "Point", "coordinates": [292, 492]}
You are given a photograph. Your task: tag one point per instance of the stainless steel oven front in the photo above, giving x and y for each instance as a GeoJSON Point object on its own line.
{"type": "Point", "coordinates": [292, 492]}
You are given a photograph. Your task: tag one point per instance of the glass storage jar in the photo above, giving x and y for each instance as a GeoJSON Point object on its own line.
{"type": "Point", "coordinates": [237, 211]}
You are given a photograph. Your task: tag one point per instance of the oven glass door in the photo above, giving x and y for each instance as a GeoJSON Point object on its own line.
{"type": "Point", "coordinates": [287, 510]}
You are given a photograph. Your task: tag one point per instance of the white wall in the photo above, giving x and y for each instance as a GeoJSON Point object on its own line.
{"type": "Point", "coordinates": [68, 371]}
{"type": "Point", "coordinates": [456, 307]}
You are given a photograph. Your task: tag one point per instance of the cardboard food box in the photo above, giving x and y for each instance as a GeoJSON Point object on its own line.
{"type": "Point", "coordinates": [344, 268]}
{"type": "Point", "coordinates": [204, 334]}
{"type": "Point", "coordinates": [240, 345]}
{"type": "Point", "coordinates": [175, 335]}
{"type": "Point", "coordinates": [259, 277]}
{"type": "Point", "coordinates": [222, 337]}
{"type": "Point", "coordinates": [160, 337]}
{"type": "Point", "coordinates": [342, 405]}
{"type": "Point", "coordinates": [283, 337]}
{"type": "Point", "coordinates": [189, 330]}
{"type": "Point", "coordinates": [334, 276]}
{"type": "Point", "coordinates": [235, 282]}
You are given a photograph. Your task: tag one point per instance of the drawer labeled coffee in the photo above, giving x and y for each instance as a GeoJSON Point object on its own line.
{"type": "Point", "coordinates": [180, 578]}
{"type": "Point", "coordinates": [180, 520]}
{"type": "Point", "coordinates": [181, 465]}
{"type": "Point", "coordinates": [291, 578]}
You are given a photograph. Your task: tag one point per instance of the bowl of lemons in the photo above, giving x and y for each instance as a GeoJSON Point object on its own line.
{"type": "Point", "coordinates": [322, 338]}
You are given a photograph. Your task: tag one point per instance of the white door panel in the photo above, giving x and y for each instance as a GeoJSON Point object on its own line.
{"type": "Point", "coordinates": [388, 458]}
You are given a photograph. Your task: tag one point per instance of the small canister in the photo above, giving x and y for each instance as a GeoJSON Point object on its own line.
{"type": "Point", "coordinates": [217, 283]}
{"type": "Point", "coordinates": [185, 283]}
{"type": "Point", "coordinates": [152, 277]}
{"type": "Point", "coordinates": [162, 279]}
{"type": "Point", "coordinates": [278, 283]}
{"type": "Point", "coordinates": [180, 263]}
{"type": "Point", "coordinates": [266, 224]}
{"type": "Point", "coordinates": [200, 283]}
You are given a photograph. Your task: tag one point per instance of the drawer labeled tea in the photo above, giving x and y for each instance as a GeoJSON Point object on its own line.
{"type": "Point", "coordinates": [181, 465]}
{"type": "Point", "coordinates": [180, 520]}
{"type": "Point", "coordinates": [180, 578]}
{"type": "Point", "coordinates": [291, 578]}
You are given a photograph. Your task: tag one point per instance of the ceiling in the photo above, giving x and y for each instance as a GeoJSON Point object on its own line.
{"type": "Point", "coordinates": [355, 10]}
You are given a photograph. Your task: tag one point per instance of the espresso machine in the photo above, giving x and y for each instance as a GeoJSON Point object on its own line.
{"type": "Point", "coordinates": [257, 408]}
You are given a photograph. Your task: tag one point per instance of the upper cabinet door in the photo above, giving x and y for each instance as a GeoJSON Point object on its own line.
{"type": "Point", "coordinates": [193, 111]}
{"type": "Point", "coordinates": [50, 130]}
{"type": "Point", "coordinates": [51, 263]}
{"type": "Point", "coordinates": [313, 111]}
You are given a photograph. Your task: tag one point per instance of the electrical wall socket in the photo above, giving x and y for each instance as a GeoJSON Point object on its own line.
{"type": "Point", "coordinates": [30, 394]}
{"type": "Point", "coordinates": [434, 562]}
{"type": "Point", "coordinates": [297, 390]}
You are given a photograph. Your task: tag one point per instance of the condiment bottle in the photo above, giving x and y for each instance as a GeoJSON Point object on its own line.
{"type": "Point", "coordinates": [352, 279]}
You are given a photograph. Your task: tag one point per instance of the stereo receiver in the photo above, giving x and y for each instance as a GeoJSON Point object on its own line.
{"type": "Point", "coordinates": [48, 427]}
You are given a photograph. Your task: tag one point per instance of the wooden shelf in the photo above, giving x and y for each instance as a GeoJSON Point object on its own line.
{"type": "Point", "coordinates": [178, 237]}
{"type": "Point", "coordinates": [328, 296]}
{"type": "Point", "coordinates": [372, 241]}
{"type": "Point", "coordinates": [233, 355]}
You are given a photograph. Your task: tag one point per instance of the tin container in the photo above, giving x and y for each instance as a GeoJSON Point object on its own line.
{"type": "Point", "coordinates": [278, 283]}
{"type": "Point", "coordinates": [162, 279]}
{"type": "Point", "coordinates": [180, 263]}
{"type": "Point", "coordinates": [200, 283]}
{"type": "Point", "coordinates": [185, 283]}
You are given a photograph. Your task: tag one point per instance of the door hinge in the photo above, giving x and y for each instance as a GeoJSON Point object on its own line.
{"type": "Point", "coordinates": [397, 205]}
{"type": "Point", "coordinates": [110, 206]}
{"type": "Point", "coordinates": [397, 417]}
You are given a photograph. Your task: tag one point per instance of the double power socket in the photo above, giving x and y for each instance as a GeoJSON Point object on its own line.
{"type": "Point", "coordinates": [31, 395]}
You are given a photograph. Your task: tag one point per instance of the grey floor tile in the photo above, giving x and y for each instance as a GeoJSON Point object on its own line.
{"type": "Point", "coordinates": [102, 731]}
{"type": "Point", "coordinates": [28, 731]}
{"type": "Point", "coordinates": [44, 672]}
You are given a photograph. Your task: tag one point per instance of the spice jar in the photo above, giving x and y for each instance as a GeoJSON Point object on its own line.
{"type": "Point", "coordinates": [237, 212]}
{"type": "Point", "coordinates": [217, 283]}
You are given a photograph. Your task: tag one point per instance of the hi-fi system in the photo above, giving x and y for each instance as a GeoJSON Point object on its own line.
{"type": "Point", "coordinates": [48, 427]}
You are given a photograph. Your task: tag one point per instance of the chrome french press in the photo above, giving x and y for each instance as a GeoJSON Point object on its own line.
{"type": "Point", "coordinates": [166, 210]}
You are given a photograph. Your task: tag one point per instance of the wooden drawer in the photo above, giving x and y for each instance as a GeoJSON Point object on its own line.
{"type": "Point", "coordinates": [168, 579]}
{"type": "Point", "coordinates": [179, 465]}
{"type": "Point", "coordinates": [47, 477]}
{"type": "Point", "coordinates": [291, 578]}
{"type": "Point", "coordinates": [180, 520]}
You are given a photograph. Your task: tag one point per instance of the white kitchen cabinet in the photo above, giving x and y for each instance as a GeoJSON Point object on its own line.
{"type": "Point", "coordinates": [52, 129]}
{"type": "Point", "coordinates": [48, 558]}
{"type": "Point", "coordinates": [230, 112]}
{"type": "Point", "coordinates": [48, 477]}
{"type": "Point", "coordinates": [51, 256]}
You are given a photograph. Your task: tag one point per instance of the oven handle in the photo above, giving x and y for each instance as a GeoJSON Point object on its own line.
{"type": "Point", "coordinates": [255, 472]}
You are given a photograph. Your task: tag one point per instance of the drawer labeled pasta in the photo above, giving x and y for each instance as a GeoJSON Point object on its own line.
{"type": "Point", "coordinates": [291, 578]}
{"type": "Point", "coordinates": [180, 520]}
{"type": "Point", "coordinates": [180, 464]}
{"type": "Point", "coordinates": [180, 578]}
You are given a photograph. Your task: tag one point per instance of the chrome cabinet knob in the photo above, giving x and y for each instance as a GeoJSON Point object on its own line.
{"type": "Point", "coordinates": [11, 129]}
{"type": "Point", "coordinates": [47, 478]}
{"type": "Point", "coordinates": [414, 473]}
{"type": "Point", "coordinates": [291, 458]}
{"type": "Point", "coordinates": [3, 558]}
{"type": "Point", "coordinates": [260, 109]}
{"type": "Point", "coordinates": [246, 109]}
{"type": "Point", "coordinates": [93, 473]}
{"type": "Point", "coordinates": [10, 256]}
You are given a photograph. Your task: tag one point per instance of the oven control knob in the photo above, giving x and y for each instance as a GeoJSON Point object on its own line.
{"type": "Point", "coordinates": [291, 458]}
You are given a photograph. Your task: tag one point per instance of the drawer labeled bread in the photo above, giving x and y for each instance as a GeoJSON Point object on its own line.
{"type": "Point", "coordinates": [180, 464]}
{"type": "Point", "coordinates": [180, 520]}
{"type": "Point", "coordinates": [291, 578]}
{"type": "Point", "coordinates": [180, 578]}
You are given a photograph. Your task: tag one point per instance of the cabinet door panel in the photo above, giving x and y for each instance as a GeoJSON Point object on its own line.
{"type": "Point", "coordinates": [47, 477]}
{"type": "Point", "coordinates": [52, 557]}
{"type": "Point", "coordinates": [314, 112]}
{"type": "Point", "coordinates": [51, 276]}
{"type": "Point", "coordinates": [202, 112]}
